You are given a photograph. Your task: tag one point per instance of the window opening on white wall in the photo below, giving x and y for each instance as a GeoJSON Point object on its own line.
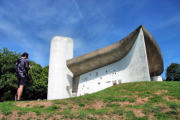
{"type": "Point", "coordinates": [96, 73]}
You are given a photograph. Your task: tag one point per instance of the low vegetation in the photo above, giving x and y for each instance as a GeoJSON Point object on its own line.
{"type": "Point", "coordinates": [131, 101]}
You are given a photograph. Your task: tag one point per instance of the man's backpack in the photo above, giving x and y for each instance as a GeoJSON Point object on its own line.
{"type": "Point", "coordinates": [17, 65]}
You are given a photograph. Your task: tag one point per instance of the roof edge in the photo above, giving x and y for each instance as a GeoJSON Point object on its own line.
{"type": "Point", "coordinates": [154, 56]}
{"type": "Point", "coordinates": [112, 53]}
{"type": "Point", "coordinates": [103, 56]}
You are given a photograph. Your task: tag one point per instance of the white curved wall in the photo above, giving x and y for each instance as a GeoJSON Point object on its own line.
{"type": "Point", "coordinates": [60, 77]}
{"type": "Point", "coordinates": [132, 68]}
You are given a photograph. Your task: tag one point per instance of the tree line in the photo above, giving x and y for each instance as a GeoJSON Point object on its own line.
{"type": "Point", "coordinates": [38, 77]}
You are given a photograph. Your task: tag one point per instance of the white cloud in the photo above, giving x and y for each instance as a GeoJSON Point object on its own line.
{"type": "Point", "coordinates": [78, 8]}
{"type": "Point", "coordinates": [12, 31]}
{"type": "Point", "coordinates": [173, 20]}
{"type": "Point", "coordinates": [21, 39]}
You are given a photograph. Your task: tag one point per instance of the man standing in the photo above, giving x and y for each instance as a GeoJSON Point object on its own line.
{"type": "Point", "coordinates": [22, 67]}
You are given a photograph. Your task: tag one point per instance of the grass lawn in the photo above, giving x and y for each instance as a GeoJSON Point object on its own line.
{"type": "Point", "coordinates": [131, 101]}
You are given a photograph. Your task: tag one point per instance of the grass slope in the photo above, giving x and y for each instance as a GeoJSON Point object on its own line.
{"type": "Point", "coordinates": [132, 101]}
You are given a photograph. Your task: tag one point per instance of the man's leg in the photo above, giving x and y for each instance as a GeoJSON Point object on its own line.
{"type": "Point", "coordinates": [19, 92]}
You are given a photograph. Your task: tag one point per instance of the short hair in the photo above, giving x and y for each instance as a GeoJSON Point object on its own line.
{"type": "Point", "coordinates": [25, 54]}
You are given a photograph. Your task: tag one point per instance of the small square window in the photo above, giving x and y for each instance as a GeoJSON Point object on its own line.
{"type": "Point", "coordinates": [96, 73]}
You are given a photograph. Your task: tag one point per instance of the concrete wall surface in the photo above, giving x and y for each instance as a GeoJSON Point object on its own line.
{"type": "Point", "coordinates": [132, 68]}
{"type": "Point", "coordinates": [60, 77]}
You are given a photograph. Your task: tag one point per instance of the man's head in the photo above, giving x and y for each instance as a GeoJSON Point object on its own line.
{"type": "Point", "coordinates": [25, 54]}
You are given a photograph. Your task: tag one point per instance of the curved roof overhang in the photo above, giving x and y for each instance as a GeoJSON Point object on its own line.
{"type": "Point", "coordinates": [154, 56]}
{"type": "Point", "coordinates": [116, 52]}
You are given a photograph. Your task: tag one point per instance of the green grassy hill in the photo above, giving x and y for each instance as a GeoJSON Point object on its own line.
{"type": "Point", "coordinates": [141, 100]}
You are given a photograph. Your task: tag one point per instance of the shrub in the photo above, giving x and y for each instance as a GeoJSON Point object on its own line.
{"type": "Point", "coordinates": [37, 82]}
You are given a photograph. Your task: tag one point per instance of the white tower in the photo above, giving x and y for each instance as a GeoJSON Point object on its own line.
{"type": "Point", "coordinates": [60, 77]}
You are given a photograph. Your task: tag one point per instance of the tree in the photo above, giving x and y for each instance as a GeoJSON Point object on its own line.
{"type": "Point", "coordinates": [173, 72]}
{"type": "Point", "coordinates": [8, 80]}
{"type": "Point", "coordinates": [37, 82]}
{"type": "Point", "coordinates": [37, 85]}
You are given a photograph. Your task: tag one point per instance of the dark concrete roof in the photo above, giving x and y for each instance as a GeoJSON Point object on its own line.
{"type": "Point", "coordinates": [117, 51]}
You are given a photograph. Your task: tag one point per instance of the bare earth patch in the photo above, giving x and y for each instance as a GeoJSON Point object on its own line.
{"type": "Point", "coordinates": [130, 96]}
{"type": "Point", "coordinates": [166, 109]}
{"type": "Point", "coordinates": [151, 116]}
{"type": "Point", "coordinates": [53, 117]}
{"type": "Point", "coordinates": [125, 103]}
{"type": "Point", "coordinates": [161, 92]}
{"type": "Point", "coordinates": [113, 117]}
{"type": "Point", "coordinates": [1, 115]}
{"type": "Point", "coordinates": [29, 115]}
{"type": "Point", "coordinates": [139, 101]}
{"type": "Point", "coordinates": [167, 98]}
{"type": "Point", "coordinates": [74, 107]}
{"type": "Point", "coordinates": [58, 117]}
{"type": "Point", "coordinates": [117, 117]}
{"type": "Point", "coordinates": [158, 104]}
{"type": "Point", "coordinates": [96, 105]}
{"type": "Point", "coordinates": [142, 100]}
{"type": "Point", "coordinates": [107, 117]}
{"type": "Point", "coordinates": [137, 112]}
{"type": "Point", "coordinates": [34, 103]}
{"type": "Point", "coordinates": [13, 115]}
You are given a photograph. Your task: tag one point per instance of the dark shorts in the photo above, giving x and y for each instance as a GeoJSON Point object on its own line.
{"type": "Point", "coordinates": [22, 81]}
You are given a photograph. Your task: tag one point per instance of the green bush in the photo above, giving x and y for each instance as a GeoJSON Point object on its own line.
{"type": "Point", "coordinates": [37, 80]}
{"type": "Point", "coordinates": [173, 72]}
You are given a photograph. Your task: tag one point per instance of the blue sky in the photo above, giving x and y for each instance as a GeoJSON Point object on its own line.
{"type": "Point", "coordinates": [29, 25]}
